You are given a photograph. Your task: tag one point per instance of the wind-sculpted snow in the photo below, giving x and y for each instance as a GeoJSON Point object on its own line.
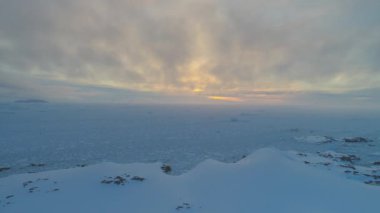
{"type": "Point", "coordinates": [266, 181]}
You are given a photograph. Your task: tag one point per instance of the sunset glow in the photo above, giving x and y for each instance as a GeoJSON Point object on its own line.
{"type": "Point", "coordinates": [177, 49]}
{"type": "Point", "coordinates": [223, 98]}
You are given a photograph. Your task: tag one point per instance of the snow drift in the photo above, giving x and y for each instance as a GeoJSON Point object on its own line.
{"type": "Point", "coordinates": [268, 180]}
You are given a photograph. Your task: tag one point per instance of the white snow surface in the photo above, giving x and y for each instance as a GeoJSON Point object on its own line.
{"type": "Point", "coordinates": [268, 180]}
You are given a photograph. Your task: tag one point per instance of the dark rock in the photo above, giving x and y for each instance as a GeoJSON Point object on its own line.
{"type": "Point", "coordinates": [166, 168]}
{"type": "Point", "coordinates": [118, 180]}
{"type": "Point", "coordinates": [348, 166]}
{"type": "Point", "coordinates": [183, 206]}
{"type": "Point", "coordinates": [241, 158]}
{"type": "Point", "coordinates": [9, 196]}
{"type": "Point", "coordinates": [373, 182]}
{"type": "Point", "coordinates": [302, 154]}
{"type": "Point", "coordinates": [306, 162]}
{"type": "Point", "coordinates": [55, 190]}
{"type": "Point", "coordinates": [36, 164]}
{"type": "Point", "coordinates": [25, 184]}
{"type": "Point", "coordinates": [81, 165]}
{"type": "Point", "coordinates": [137, 178]}
{"type": "Point", "coordinates": [377, 163]}
{"type": "Point", "coordinates": [4, 169]}
{"type": "Point", "coordinates": [356, 140]}
{"type": "Point", "coordinates": [107, 181]}
{"type": "Point", "coordinates": [325, 163]}
{"type": "Point", "coordinates": [349, 158]}
{"type": "Point", "coordinates": [326, 155]}
{"type": "Point", "coordinates": [31, 190]}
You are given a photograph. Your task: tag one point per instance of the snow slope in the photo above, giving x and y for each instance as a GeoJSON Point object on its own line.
{"type": "Point", "coordinates": [266, 181]}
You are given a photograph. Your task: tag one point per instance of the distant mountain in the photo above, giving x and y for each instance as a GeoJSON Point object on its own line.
{"type": "Point", "coordinates": [30, 101]}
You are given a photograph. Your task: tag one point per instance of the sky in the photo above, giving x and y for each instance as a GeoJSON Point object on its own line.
{"type": "Point", "coordinates": [191, 51]}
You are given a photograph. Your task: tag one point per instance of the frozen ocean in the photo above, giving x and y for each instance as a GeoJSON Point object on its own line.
{"type": "Point", "coordinates": [44, 136]}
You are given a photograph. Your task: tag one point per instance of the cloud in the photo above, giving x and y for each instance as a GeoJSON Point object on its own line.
{"type": "Point", "coordinates": [212, 47]}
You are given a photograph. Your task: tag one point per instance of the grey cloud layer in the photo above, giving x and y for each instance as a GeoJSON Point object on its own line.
{"type": "Point", "coordinates": [217, 45]}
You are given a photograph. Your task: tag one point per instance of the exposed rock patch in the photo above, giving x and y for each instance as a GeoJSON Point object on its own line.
{"type": "Point", "coordinates": [183, 206]}
{"type": "Point", "coordinates": [348, 166]}
{"type": "Point", "coordinates": [356, 140]}
{"type": "Point", "coordinates": [121, 179]}
{"type": "Point", "coordinates": [302, 154]}
{"type": "Point", "coordinates": [39, 185]}
{"type": "Point", "coordinates": [343, 163]}
{"type": "Point", "coordinates": [118, 180]}
{"type": "Point", "coordinates": [349, 158]}
{"type": "Point", "coordinates": [9, 196]}
{"type": "Point", "coordinates": [137, 178]}
{"type": "Point", "coordinates": [36, 164]}
{"type": "Point", "coordinates": [372, 182]}
{"type": "Point", "coordinates": [26, 183]}
{"type": "Point", "coordinates": [339, 157]}
{"type": "Point", "coordinates": [4, 169]}
{"type": "Point", "coordinates": [33, 189]}
{"type": "Point", "coordinates": [166, 168]}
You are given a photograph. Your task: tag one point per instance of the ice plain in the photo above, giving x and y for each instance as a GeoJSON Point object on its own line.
{"type": "Point", "coordinates": [217, 154]}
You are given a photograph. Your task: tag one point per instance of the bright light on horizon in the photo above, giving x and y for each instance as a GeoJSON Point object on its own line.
{"type": "Point", "coordinates": [147, 51]}
{"type": "Point", "coordinates": [225, 98]}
